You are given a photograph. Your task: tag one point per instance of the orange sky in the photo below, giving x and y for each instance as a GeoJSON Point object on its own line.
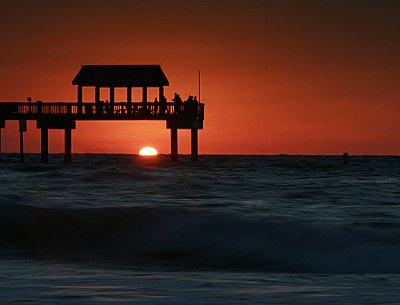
{"type": "Point", "coordinates": [291, 77]}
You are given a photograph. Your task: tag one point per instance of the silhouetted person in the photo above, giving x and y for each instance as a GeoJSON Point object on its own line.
{"type": "Point", "coordinates": [156, 103]}
{"type": "Point", "coordinates": [177, 103]}
{"type": "Point", "coordinates": [98, 106]}
{"type": "Point", "coordinates": [135, 109]}
{"type": "Point", "coordinates": [112, 106]}
{"type": "Point", "coordinates": [195, 108]}
{"type": "Point", "coordinates": [187, 107]}
{"type": "Point", "coordinates": [163, 105]}
{"type": "Point", "coordinates": [190, 108]}
{"type": "Point", "coordinates": [107, 107]}
{"type": "Point", "coordinates": [143, 110]}
{"type": "Point", "coordinates": [88, 109]}
{"type": "Point", "coordinates": [29, 99]}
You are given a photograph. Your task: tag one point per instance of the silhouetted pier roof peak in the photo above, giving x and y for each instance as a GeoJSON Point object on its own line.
{"type": "Point", "coordinates": [121, 76]}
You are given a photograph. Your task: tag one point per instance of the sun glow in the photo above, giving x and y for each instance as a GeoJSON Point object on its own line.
{"type": "Point", "coordinates": [148, 151]}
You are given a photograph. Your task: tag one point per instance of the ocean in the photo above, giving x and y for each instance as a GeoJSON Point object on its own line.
{"type": "Point", "coordinates": [125, 229]}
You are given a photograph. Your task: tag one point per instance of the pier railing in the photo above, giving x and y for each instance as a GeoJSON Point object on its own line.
{"type": "Point", "coordinates": [99, 111]}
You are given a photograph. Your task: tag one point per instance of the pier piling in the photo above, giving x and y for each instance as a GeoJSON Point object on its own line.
{"type": "Point", "coordinates": [195, 145]}
{"type": "Point", "coordinates": [2, 125]}
{"type": "Point", "coordinates": [174, 144]}
{"type": "Point", "coordinates": [21, 146]}
{"type": "Point", "coordinates": [68, 144]}
{"type": "Point", "coordinates": [44, 157]}
{"type": "Point", "coordinates": [22, 129]}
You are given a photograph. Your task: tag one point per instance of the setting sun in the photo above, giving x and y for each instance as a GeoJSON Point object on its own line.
{"type": "Point", "coordinates": [148, 151]}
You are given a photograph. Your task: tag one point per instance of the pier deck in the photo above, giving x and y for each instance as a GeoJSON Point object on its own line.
{"type": "Point", "coordinates": [63, 115]}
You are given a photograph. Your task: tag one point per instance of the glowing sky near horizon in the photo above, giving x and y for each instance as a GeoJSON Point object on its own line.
{"type": "Point", "coordinates": [292, 77]}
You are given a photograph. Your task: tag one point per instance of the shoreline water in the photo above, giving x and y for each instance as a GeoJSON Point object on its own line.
{"type": "Point", "coordinates": [114, 229]}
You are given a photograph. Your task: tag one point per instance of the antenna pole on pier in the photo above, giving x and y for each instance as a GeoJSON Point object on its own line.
{"type": "Point", "coordinates": [199, 88]}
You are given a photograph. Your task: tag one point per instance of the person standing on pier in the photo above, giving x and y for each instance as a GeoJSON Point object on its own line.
{"type": "Point", "coordinates": [195, 108]}
{"type": "Point", "coordinates": [191, 108]}
{"type": "Point", "coordinates": [144, 109]}
{"type": "Point", "coordinates": [187, 107]}
{"type": "Point", "coordinates": [107, 107]}
{"type": "Point", "coordinates": [163, 105]}
{"type": "Point", "coordinates": [156, 103]}
{"type": "Point", "coordinates": [177, 103]}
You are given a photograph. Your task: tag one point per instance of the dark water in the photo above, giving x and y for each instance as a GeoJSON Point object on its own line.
{"type": "Point", "coordinates": [119, 229]}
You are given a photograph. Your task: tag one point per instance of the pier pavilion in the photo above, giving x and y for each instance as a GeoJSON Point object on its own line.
{"type": "Point", "coordinates": [63, 115]}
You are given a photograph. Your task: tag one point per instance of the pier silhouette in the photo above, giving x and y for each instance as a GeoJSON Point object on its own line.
{"type": "Point", "coordinates": [63, 115]}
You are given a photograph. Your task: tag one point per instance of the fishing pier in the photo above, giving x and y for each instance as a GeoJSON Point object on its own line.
{"type": "Point", "coordinates": [64, 115]}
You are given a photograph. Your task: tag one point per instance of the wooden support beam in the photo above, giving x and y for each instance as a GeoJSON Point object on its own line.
{"type": "Point", "coordinates": [80, 95]}
{"type": "Point", "coordinates": [22, 129]}
{"type": "Point", "coordinates": [21, 146]}
{"type": "Point", "coordinates": [129, 95]}
{"type": "Point", "coordinates": [68, 144]}
{"type": "Point", "coordinates": [144, 94]}
{"type": "Point", "coordinates": [44, 145]}
{"type": "Point", "coordinates": [2, 125]}
{"type": "Point", "coordinates": [195, 145]}
{"type": "Point", "coordinates": [112, 99]}
{"type": "Point", "coordinates": [129, 100]}
{"type": "Point", "coordinates": [97, 94]}
{"type": "Point", "coordinates": [174, 144]}
{"type": "Point", "coordinates": [112, 95]}
{"type": "Point", "coordinates": [80, 99]}
{"type": "Point", "coordinates": [161, 93]}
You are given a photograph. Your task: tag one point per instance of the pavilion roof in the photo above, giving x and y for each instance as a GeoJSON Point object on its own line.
{"type": "Point", "coordinates": [121, 76]}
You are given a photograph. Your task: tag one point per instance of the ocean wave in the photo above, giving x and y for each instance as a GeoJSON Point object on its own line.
{"type": "Point", "coordinates": [191, 238]}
